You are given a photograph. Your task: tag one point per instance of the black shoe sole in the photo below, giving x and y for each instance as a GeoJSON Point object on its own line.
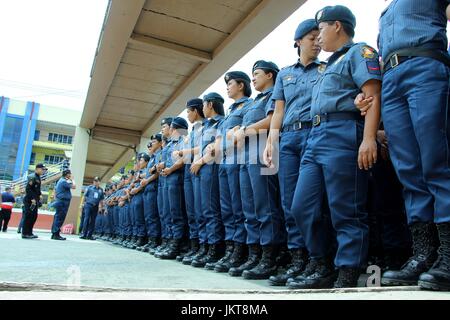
{"type": "Point", "coordinates": [425, 285]}
{"type": "Point", "coordinates": [196, 265]}
{"type": "Point", "coordinates": [221, 269]}
{"type": "Point", "coordinates": [277, 283]}
{"type": "Point", "coordinates": [386, 282]}
{"type": "Point", "coordinates": [234, 274]}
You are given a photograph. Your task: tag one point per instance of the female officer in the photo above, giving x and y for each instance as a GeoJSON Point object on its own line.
{"type": "Point", "coordinates": [292, 95]}
{"type": "Point", "coordinates": [259, 189]}
{"type": "Point", "coordinates": [238, 89]}
{"type": "Point", "coordinates": [194, 108]}
{"type": "Point", "coordinates": [173, 171]}
{"type": "Point", "coordinates": [211, 242]}
{"type": "Point", "coordinates": [341, 148]}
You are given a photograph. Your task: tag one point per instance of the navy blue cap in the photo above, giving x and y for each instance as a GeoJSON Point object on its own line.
{"type": "Point", "coordinates": [236, 75]}
{"type": "Point", "coordinates": [157, 137]}
{"type": "Point", "coordinates": [304, 28]}
{"type": "Point", "coordinates": [167, 121]}
{"type": "Point", "coordinates": [265, 65]}
{"type": "Point", "coordinates": [194, 103]}
{"type": "Point", "coordinates": [213, 96]}
{"type": "Point", "coordinates": [180, 123]}
{"type": "Point", "coordinates": [336, 13]}
{"type": "Point", "coordinates": [144, 156]}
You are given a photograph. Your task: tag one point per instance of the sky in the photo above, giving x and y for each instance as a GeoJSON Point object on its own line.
{"type": "Point", "coordinates": [48, 46]}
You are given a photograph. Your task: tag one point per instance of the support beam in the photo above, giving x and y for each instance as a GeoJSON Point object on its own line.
{"type": "Point", "coordinates": [118, 26]}
{"type": "Point", "coordinates": [99, 163]}
{"type": "Point", "coordinates": [123, 159]}
{"type": "Point", "coordinates": [118, 135]}
{"type": "Point", "coordinates": [148, 43]}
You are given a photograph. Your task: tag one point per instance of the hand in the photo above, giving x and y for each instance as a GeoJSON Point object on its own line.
{"type": "Point", "coordinates": [367, 155]}
{"type": "Point", "coordinates": [195, 167]}
{"type": "Point", "coordinates": [210, 150]}
{"type": "Point", "coordinates": [382, 140]}
{"type": "Point", "coordinates": [267, 155]}
{"type": "Point", "coordinates": [239, 137]}
{"type": "Point", "coordinates": [363, 103]}
{"type": "Point", "coordinates": [177, 154]}
{"type": "Point", "coordinates": [160, 166]}
{"type": "Point", "coordinates": [133, 192]}
{"type": "Point", "coordinates": [166, 172]}
{"type": "Point", "coordinates": [33, 201]}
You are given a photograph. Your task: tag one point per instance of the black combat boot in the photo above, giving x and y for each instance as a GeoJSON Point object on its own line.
{"type": "Point", "coordinates": [299, 260]}
{"type": "Point", "coordinates": [284, 257]}
{"type": "Point", "coordinates": [322, 277]}
{"type": "Point", "coordinates": [127, 242]}
{"type": "Point", "coordinates": [347, 278]}
{"type": "Point", "coordinates": [163, 248]}
{"type": "Point", "coordinates": [198, 257]}
{"type": "Point", "coordinates": [141, 242]}
{"type": "Point", "coordinates": [254, 254]}
{"type": "Point", "coordinates": [237, 258]}
{"type": "Point", "coordinates": [134, 242]}
{"type": "Point", "coordinates": [425, 245]}
{"type": "Point", "coordinates": [223, 262]}
{"type": "Point", "coordinates": [215, 252]}
{"type": "Point", "coordinates": [438, 277]}
{"type": "Point", "coordinates": [266, 267]}
{"type": "Point", "coordinates": [173, 250]}
{"type": "Point", "coordinates": [159, 248]}
{"type": "Point", "coordinates": [57, 236]}
{"type": "Point", "coordinates": [192, 251]}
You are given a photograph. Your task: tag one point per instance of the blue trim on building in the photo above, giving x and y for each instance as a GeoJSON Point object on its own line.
{"type": "Point", "coordinates": [4, 104]}
{"type": "Point", "coordinates": [26, 140]}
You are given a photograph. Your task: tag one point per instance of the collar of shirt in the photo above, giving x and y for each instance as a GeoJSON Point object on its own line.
{"type": "Point", "coordinates": [340, 52]}
{"type": "Point", "coordinates": [299, 64]}
{"type": "Point", "coordinates": [264, 93]}
{"type": "Point", "coordinates": [216, 118]}
{"type": "Point", "coordinates": [238, 102]}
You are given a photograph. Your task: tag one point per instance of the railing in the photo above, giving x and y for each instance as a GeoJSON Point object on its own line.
{"type": "Point", "coordinates": [53, 173]}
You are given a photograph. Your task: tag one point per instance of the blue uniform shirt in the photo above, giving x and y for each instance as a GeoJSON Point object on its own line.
{"type": "Point", "coordinates": [164, 153]}
{"type": "Point", "coordinates": [347, 71]}
{"type": "Point", "coordinates": [94, 195]}
{"type": "Point", "coordinates": [63, 190]}
{"type": "Point", "coordinates": [209, 132]}
{"type": "Point", "coordinates": [294, 86]}
{"type": "Point", "coordinates": [195, 136]}
{"type": "Point", "coordinates": [413, 23]}
{"type": "Point", "coordinates": [174, 145]}
{"type": "Point", "coordinates": [261, 107]}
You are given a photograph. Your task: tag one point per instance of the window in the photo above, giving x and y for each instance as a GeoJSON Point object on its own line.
{"type": "Point", "coordinates": [33, 158]}
{"type": "Point", "coordinates": [53, 159]}
{"type": "Point", "coordinates": [60, 138]}
{"type": "Point", "coordinates": [37, 133]}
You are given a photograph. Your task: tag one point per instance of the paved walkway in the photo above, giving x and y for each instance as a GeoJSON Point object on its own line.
{"type": "Point", "coordinates": [81, 269]}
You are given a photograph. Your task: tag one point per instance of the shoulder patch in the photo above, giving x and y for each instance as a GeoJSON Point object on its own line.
{"type": "Point", "coordinates": [367, 52]}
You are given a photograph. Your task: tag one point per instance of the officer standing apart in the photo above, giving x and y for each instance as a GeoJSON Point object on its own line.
{"type": "Point", "coordinates": [63, 197]}
{"type": "Point", "coordinates": [7, 201]}
{"type": "Point", "coordinates": [340, 149]}
{"type": "Point", "coordinates": [415, 99]}
{"type": "Point", "coordinates": [31, 201]}
{"type": "Point", "coordinates": [93, 203]}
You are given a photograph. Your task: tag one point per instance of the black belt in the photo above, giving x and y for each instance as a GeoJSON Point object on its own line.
{"type": "Point", "coordinates": [318, 119]}
{"type": "Point", "coordinates": [399, 56]}
{"type": "Point", "coordinates": [297, 126]}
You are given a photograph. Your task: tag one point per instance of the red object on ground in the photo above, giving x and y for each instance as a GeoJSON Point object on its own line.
{"type": "Point", "coordinates": [67, 229]}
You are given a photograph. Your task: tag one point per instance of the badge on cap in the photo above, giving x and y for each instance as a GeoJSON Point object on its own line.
{"type": "Point", "coordinates": [319, 15]}
{"type": "Point", "coordinates": [227, 78]}
{"type": "Point", "coordinates": [367, 52]}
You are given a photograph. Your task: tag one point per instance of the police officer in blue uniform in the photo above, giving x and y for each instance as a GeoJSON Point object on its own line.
{"type": "Point", "coordinates": [173, 171]}
{"type": "Point", "coordinates": [125, 212]}
{"type": "Point", "coordinates": [207, 168]}
{"type": "Point", "coordinates": [93, 202]}
{"type": "Point", "coordinates": [415, 99]}
{"type": "Point", "coordinates": [63, 196]}
{"type": "Point", "coordinates": [190, 153]}
{"type": "Point", "coordinates": [138, 201]}
{"type": "Point", "coordinates": [165, 208]}
{"type": "Point", "coordinates": [259, 189]}
{"type": "Point", "coordinates": [292, 95]}
{"type": "Point", "coordinates": [150, 183]}
{"type": "Point", "coordinates": [238, 89]}
{"type": "Point", "coordinates": [340, 149]}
